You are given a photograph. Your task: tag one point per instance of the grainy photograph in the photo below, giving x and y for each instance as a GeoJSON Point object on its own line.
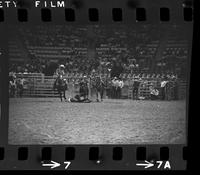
{"type": "Point", "coordinates": [98, 84]}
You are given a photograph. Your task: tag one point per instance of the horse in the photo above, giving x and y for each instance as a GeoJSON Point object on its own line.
{"type": "Point", "coordinates": [99, 86]}
{"type": "Point", "coordinates": [60, 85]}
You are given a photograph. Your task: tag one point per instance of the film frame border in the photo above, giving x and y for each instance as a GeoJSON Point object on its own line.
{"type": "Point", "coordinates": [92, 15]}
{"type": "Point", "coordinates": [6, 153]}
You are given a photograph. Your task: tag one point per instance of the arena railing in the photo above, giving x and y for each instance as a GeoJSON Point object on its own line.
{"type": "Point", "coordinates": [39, 85]}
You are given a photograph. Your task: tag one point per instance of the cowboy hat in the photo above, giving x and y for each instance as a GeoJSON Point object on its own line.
{"type": "Point", "coordinates": [62, 65]}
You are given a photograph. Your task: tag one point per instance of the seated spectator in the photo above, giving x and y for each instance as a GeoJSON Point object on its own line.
{"type": "Point", "coordinates": [154, 93]}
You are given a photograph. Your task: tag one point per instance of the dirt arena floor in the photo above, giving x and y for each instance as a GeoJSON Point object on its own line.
{"type": "Point", "coordinates": [49, 121]}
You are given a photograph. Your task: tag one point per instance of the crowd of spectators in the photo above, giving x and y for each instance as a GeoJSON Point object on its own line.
{"type": "Point", "coordinates": [113, 69]}
{"type": "Point", "coordinates": [134, 48]}
{"type": "Point", "coordinates": [29, 66]}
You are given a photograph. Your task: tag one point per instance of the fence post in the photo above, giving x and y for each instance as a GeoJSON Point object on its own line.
{"type": "Point", "coordinates": [90, 95]}
{"type": "Point", "coordinates": [34, 82]}
{"type": "Point", "coordinates": [42, 78]}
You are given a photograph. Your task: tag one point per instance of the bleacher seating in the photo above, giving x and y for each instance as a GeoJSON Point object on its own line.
{"type": "Point", "coordinates": [76, 46]}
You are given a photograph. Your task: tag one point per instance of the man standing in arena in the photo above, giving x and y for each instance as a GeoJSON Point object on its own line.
{"type": "Point", "coordinates": [115, 85]}
{"type": "Point", "coordinates": [20, 86]}
{"type": "Point", "coordinates": [136, 85]}
{"type": "Point", "coordinates": [119, 88]}
{"type": "Point", "coordinates": [84, 90]}
{"type": "Point", "coordinates": [12, 84]}
{"type": "Point", "coordinates": [163, 88]}
{"type": "Point", "coordinates": [12, 76]}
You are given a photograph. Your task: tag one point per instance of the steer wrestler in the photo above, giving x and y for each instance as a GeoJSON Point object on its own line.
{"type": "Point", "coordinates": [80, 99]}
{"type": "Point", "coordinates": [83, 94]}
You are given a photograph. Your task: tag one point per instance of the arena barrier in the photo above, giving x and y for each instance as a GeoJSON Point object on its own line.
{"type": "Point", "coordinates": [42, 86]}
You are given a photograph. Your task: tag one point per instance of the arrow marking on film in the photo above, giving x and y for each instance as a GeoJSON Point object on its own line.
{"type": "Point", "coordinates": [52, 164]}
{"type": "Point", "coordinates": [146, 165]}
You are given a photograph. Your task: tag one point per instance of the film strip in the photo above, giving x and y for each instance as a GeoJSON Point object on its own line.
{"type": "Point", "coordinates": [116, 14]}
{"type": "Point", "coordinates": [127, 116]}
{"type": "Point", "coordinates": [94, 158]}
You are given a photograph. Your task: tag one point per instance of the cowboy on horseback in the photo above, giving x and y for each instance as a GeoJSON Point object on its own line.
{"type": "Point", "coordinates": [60, 83]}
{"type": "Point", "coordinates": [60, 70]}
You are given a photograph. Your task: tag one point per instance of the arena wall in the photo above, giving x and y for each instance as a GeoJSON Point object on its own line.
{"type": "Point", "coordinates": [42, 86]}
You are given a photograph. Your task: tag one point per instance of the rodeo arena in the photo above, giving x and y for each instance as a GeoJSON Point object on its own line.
{"type": "Point", "coordinates": [98, 84]}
